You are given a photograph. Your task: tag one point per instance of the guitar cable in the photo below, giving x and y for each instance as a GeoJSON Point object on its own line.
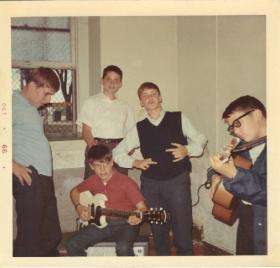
{"type": "Point", "coordinates": [207, 186]}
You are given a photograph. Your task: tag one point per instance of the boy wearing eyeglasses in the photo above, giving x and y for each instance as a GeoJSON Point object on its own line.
{"type": "Point", "coordinates": [122, 193]}
{"type": "Point", "coordinates": [246, 119]}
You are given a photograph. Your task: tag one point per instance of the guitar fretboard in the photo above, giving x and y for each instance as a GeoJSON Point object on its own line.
{"type": "Point", "coordinates": [117, 213]}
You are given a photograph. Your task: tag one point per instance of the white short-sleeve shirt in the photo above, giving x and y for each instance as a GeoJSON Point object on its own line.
{"type": "Point", "coordinates": [108, 119]}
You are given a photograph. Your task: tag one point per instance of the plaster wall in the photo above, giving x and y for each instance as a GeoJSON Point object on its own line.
{"type": "Point", "coordinates": [145, 48]}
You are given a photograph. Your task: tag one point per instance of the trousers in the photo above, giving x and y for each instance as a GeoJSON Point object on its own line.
{"type": "Point", "coordinates": [38, 228]}
{"type": "Point", "coordinates": [118, 231]}
{"type": "Point", "coordinates": [244, 236]}
{"type": "Point", "coordinates": [173, 195]}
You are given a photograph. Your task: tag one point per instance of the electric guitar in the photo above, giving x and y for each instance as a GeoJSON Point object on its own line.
{"type": "Point", "coordinates": [98, 212]}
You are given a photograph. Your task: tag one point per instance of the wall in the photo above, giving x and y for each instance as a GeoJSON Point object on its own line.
{"type": "Point", "coordinates": [146, 50]}
{"type": "Point", "coordinates": [221, 58]}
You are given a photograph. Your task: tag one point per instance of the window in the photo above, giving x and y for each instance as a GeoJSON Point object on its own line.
{"type": "Point", "coordinates": [48, 42]}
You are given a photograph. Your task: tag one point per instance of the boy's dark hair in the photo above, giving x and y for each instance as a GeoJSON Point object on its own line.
{"type": "Point", "coordinates": [99, 152]}
{"type": "Point", "coordinates": [244, 103]}
{"type": "Point", "coordinates": [146, 85]}
{"type": "Point", "coordinates": [112, 68]}
{"type": "Point", "coordinates": [42, 76]}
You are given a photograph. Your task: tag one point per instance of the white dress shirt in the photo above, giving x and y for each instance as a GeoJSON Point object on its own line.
{"type": "Point", "coordinates": [196, 141]}
{"type": "Point", "coordinates": [254, 154]}
{"type": "Point", "coordinates": [108, 119]}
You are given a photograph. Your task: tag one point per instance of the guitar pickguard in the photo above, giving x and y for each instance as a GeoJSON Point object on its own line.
{"type": "Point", "coordinates": [93, 202]}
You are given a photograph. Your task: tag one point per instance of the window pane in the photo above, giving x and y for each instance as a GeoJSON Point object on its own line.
{"type": "Point", "coordinates": [16, 79]}
{"type": "Point", "coordinates": [41, 39]}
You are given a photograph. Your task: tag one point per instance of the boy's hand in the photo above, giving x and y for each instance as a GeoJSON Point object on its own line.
{"type": "Point", "coordinates": [133, 220]}
{"type": "Point", "coordinates": [22, 173]}
{"type": "Point", "coordinates": [227, 169]}
{"type": "Point", "coordinates": [179, 152]}
{"type": "Point", "coordinates": [144, 164]}
{"type": "Point", "coordinates": [83, 212]}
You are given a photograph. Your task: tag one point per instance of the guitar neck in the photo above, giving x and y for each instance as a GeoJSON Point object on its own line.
{"type": "Point", "coordinates": [118, 213]}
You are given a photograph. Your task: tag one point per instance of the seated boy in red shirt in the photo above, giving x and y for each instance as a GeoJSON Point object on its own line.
{"type": "Point", "coordinates": [117, 192]}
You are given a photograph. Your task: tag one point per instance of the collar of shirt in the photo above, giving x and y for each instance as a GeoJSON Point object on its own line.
{"type": "Point", "coordinates": [106, 98]}
{"type": "Point", "coordinates": [256, 151]}
{"type": "Point", "coordinates": [157, 121]}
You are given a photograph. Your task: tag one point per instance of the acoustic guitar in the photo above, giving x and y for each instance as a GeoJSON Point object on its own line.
{"type": "Point", "coordinates": [225, 203]}
{"type": "Point", "coordinates": [98, 212]}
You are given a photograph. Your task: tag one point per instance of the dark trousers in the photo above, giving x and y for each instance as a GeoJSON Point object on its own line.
{"type": "Point", "coordinates": [173, 195]}
{"type": "Point", "coordinates": [245, 237]}
{"type": "Point", "coordinates": [118, 231]}
{"type": "Point", "coordinates": [38, 229]}
{"type": "Point", "coordinates": [88, 171]}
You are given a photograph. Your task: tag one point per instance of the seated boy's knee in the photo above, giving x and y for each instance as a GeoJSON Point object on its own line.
{"type": "Point", "coordinates": [74, 249]}
{"type": "Point", "coordinates": [124, 249]}
{"type": "Point", "coordinates": [69, 245]}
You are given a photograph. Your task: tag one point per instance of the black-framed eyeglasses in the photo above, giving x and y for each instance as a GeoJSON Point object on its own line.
{"type": "Point", "coordinates": [236, 123]}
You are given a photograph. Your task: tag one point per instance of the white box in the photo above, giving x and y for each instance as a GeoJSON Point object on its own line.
{"type": "Point", "coordinates": [109, 249]}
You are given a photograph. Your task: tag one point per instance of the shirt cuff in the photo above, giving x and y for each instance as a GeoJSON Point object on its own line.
{"type": "Point", "coordinates": [228, 181]}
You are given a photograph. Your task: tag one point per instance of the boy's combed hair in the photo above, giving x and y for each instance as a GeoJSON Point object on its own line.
{"type": "Point", "coordinates": [112, 68]}
{"type": "Point", "coordinates": [146, 85]}
{"type": "Point", "coordinates": [42, 76]}
{"type": "Point", "coordinates": [244, 103]}
{"type": "Point", "coordinates": [99, 153]}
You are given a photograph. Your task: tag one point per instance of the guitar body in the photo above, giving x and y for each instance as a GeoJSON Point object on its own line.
{"type": "Point", "coordinates": [225, 215]}
{"type": "Point", "coordinates": [225, 203]}
{"type": "Point", "coordinates": [222, 197]}
{"type": "Point", "coordinates": [94, 202]}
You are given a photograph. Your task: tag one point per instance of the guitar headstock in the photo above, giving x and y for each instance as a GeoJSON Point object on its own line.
{"type": "Point", "coordinates": [156, 215]}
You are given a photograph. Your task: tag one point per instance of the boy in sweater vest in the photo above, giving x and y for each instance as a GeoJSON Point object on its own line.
{"type": "Point", "coordinates": [167, 140]}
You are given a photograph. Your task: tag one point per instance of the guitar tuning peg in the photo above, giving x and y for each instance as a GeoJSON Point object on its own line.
{"type": "Point", "coordinates": [151, 208]}
{"type": "Point", "coordinates": [152, 221]}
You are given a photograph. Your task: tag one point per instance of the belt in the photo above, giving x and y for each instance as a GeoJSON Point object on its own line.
{"type": "Point", "coordinates": [106, 141]}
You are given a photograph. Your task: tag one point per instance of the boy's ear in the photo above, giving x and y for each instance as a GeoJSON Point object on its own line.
{"type": "Point", "coordinates": [111, 162]}
{"type": "Point", "coordinates": [90, 165]}
{"type": "Point", "coordinates": [258, 114]}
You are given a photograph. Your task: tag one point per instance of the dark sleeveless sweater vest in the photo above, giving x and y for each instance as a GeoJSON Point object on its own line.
{"type": "Point", "coordinates": [154, 140]}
